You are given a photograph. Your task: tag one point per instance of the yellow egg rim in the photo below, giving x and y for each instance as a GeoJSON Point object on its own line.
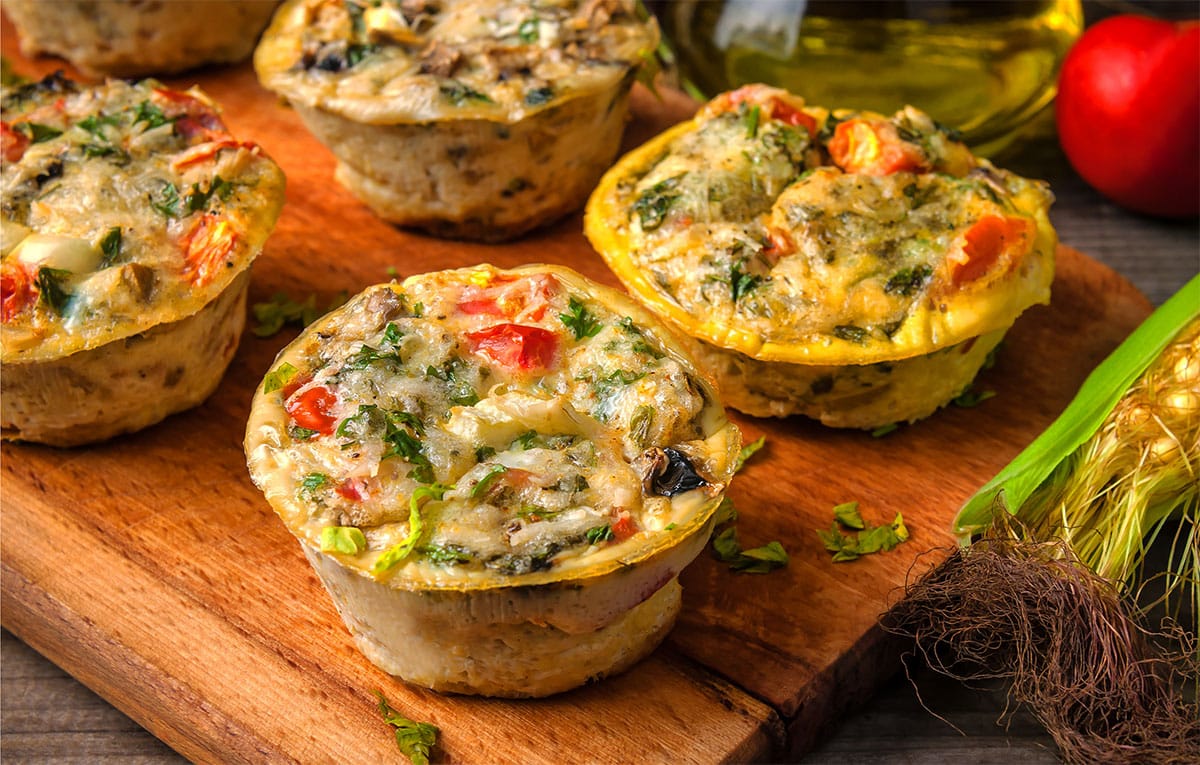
{"type": "Point", "coordinates": [958, 317]}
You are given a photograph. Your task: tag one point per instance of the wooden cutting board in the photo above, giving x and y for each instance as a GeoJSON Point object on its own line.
{"type": "Point", "coordinates": [152, 570]}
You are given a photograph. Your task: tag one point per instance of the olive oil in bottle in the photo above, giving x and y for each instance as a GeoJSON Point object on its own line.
{"type": "Point", "coordinates": [985, 67]}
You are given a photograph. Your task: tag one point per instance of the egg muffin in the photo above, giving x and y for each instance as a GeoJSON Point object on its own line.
{"type": "Point", "coordinates": [128, 222]}
{"type": "Point", "coordinates": [477, 119]}
{"type": "Point", "coordinates": [126, 38]}
{"type": "Point", "coordinates": [497, 475]}
{"type": "Point", "coordinates": [855, 268]}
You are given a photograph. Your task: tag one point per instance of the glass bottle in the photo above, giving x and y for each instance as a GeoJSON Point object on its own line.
{"type": "Point", "coordinates": [985, 67]}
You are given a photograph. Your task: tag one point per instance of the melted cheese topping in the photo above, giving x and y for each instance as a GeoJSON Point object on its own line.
{"type": "Point", "coordinates": [777, 229]}
{"type": "Point", "coordinates": [124, 206]}
{"type": "Point", "coordinates": [426, 60]}
{"type": "Point", "coordinates": [495, 423]}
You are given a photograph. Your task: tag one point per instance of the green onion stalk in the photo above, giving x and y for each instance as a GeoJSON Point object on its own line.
{"type": "Point", "coordinates": [1050, 588]}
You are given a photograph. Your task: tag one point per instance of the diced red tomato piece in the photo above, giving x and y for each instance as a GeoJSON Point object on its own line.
{"type": "Point", "coordinates": [874, 147]}
{"type": "Point", "coordinates": [624, 526]}
{"type": "Point", "coordinates": [207, 246]}
{"type": "Point", "coordinates": [193, 118]}
{"type": "Point", "coordinates": [790, 115]}
{"type": "Point", "coordinates": [516, 346]}
{"type": "Point", "coordinates": [524, 298]}
{"type": "Point", "coordinates": [311, 409]}
{"type": "Point", "coordinates": [779, 244]}
{"type": "Point", "coordinates": [991, 241]}
{"type": "Point", "coordinates": [17, 290]}
{"type": "Point", "coordinates": [771, 104]}
{"type": "Point", "coordinates": [13, 143]}
{"type": "Point", "coordinates": [202, 152]}
{"type": "Point", "coordinates": [352, 489]}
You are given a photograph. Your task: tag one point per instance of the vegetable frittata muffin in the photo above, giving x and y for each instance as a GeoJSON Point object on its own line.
{"type": "Point", "coordinates": [128, 222]}
{"type": "Point", "coordinates": [133, 38]}
{"type": "Point", "coordinates": [851, 267]}
{"type": "Point", "coordinates": [477, 119]}
{"type": "Point", "coordinates": [498, 475]}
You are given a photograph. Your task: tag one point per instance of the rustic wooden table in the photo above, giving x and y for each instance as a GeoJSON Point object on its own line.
{"type": "Point", "coordinates": [47, 716]}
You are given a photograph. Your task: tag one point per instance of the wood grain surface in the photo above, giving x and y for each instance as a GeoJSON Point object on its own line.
{"type": "Point", "coordinates": [152, 570]}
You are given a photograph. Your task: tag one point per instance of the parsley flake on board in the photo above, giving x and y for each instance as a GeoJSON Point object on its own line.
{"type": "Point", "coordinates": [971, 397]}
{"type": "Point", "coordinates": [281, 310]}
{"type": "Point", "coordinates": [728, 548]}
{"type": "Point", "coordinates": [867, 540]}
{"type": "Point", "coordinates": [415, 739]}
{"type": "Point", "coordinates": [748, 451]}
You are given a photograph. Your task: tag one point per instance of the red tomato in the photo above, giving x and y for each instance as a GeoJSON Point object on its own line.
{"type": "Point", "coordinates": [17, 291]}
{"type": "Point", "coordinates": [13, 143]}
{"type": "Point", "coordinates": [516, 346]}
{"type": "Point", "coordinates": [524, 298]}
{"type": "Point", "coordinates": [1128, 112]}
{"type": "Point", "coordinates": [352, 489]}
{"type": "Point", "coordinates": [624, 527]}
{"type": "Point", "coordinates": [991, 240]}
{"type": "Point", "coordinates": [193, 117]}
{"type": "Point", "coordinates": [874, 147]}
{"type": "Point", "coordinates": [207, 247]}
{"type": "Point", "coordinates": [311, 408]}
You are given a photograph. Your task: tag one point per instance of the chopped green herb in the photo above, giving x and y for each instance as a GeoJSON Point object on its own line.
{"type": "Point", "coordinates": [652, 206]}
{"type": "Point", "coordinates": [580, 320]}
{"type": "Point", "coordinates": [750, 120]}
{"type": "Point", "coordinates": [484, 453]}
{"type": "Point", "coordinates": [391, 272]}
{"type": "Point", "coordinates": [110, 246]}
{"type": "Point", "coordinates": [727, 547]}
{"type": "Point", "coordinates": [197, 200]}
{"type": "Point", "coordinates": [279, 377]}
{"type": "Point", "coordinates": [883, 430]}
{"type": "Point", "coordinates": [447, 554]}
{"type": "Point", "coordinates": [459, 93]}
{"type": "Point", "coordinates": [489, 478]}
{"type": "Point", "coordinates": [38, 133]}
{"type": "Point", "coordinates": [168, 201]}
{"type": "Point", "coordinates": [639, 424]}
{"type": "Point", "coordinates": [95, 124]}
{"type": "Point", "coordinates": [460, 392]}
{"type": "Point", "coordinates": [416, 528]}
{"type": "Point", "coordinates": [539, 96]}
{"type": "Point", "coordinates": [281, 310]}
{"type": "Point", "coordinates": [847, 515]}
{"type": "Point", "coordinates": [346, 540]}
{"type": "Point", "coordinates": [740, 282]}
{"type": "Point", "coordinates": [527, 440]}
{"type": "Point", "coordinates": [748, 451]}
{"type": "Point", "coordinates": [366, 356]}
{"type": "Point", "coordinates": [50, 288]}
{"type": "Point", "coordinates": [970, 397]}
{"type": "Point", "coordinates": [869, 539]}
{"type": "Point", "coordinates": [598, 534]}
{"type": "Point", "coordinates": [313, 482]}
{"type": "Point", "coordinates": [151, 115]}
{"type": "Point", "coordinates": [298, 433]}
{"type": "Point", "coordinates": [415, 739]}
{"type": "Point", "coordinates": [392, 334]}
{"type": "Point", "coordinates": [528, 31]}
{"type": "Point", "coordinates": [907, 281]}
{"type": "Point", "coordinates": [669, 527]}
{"type": "Point", "coordinates": [850, 333]}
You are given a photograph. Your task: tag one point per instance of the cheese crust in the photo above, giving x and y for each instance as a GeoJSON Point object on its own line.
{"type": "Point", "coordinates": [473, 119]}
{"type": "Point", "coordinates": [127, 207]}
{"type": "Point", "coordinates": [783, 233]}
{"type": "Point", "coordinates": [493, 450]}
